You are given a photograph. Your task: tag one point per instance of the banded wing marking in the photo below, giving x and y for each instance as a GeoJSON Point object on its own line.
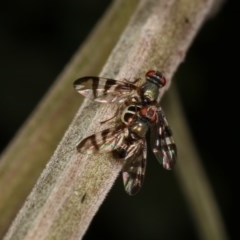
{"type": "Point", "coordinates": [134, 169]}
{"type": "Point", "coordinates": [107, 140]}
{"type": "Point", "coordinates": [162, 142]}
{"type": "Point", "coordinates": [105, 90]}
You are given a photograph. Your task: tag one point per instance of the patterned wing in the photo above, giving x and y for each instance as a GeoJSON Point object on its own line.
{"type": "Point", "coordinates": [105, 90]}
{"type": "Point", "coordinates": [107, 140]}
{"type": "Point", "coordinates": [134, 169]}
{"type": "Point", "coordinates": [162, 142]}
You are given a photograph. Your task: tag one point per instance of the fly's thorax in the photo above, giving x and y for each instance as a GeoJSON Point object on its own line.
{"type": "Point", "coordinates": [149, 92]}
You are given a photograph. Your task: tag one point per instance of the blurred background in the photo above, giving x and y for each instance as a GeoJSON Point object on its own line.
{"type": "Point", "coordinates": [39, 37]}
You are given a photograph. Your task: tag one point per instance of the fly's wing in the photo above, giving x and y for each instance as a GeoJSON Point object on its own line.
{"type": "Point", "coordinates": [162, 142]}
{"type": "Point", "coordinates": [107, 140]}
{"type": "Point", "coordinates": [134, 169]}
{"type": "Point", "coordinates": [105, 90]}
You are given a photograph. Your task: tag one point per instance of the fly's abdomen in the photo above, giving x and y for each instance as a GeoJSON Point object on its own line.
{"type": "Point", "coordinates": [138, 129]}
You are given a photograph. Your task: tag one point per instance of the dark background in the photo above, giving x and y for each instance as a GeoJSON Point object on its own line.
{"type": "Point", "coordinates": [39, 37]}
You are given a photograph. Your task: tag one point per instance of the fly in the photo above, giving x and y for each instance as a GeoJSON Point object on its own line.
{"type": "Point", "coordinates": [127, 140]}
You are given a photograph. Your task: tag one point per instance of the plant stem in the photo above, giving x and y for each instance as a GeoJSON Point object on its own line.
{"type": "Point", "coordinates": [73, 186]}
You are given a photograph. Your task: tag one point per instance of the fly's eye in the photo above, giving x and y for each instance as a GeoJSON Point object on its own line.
{"type": "Point", "coordinates": [162, 79]}
{"type": "Point", "coordinates": [150, 73]}
{"type": "Point", "coordinates": [157, 77]}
